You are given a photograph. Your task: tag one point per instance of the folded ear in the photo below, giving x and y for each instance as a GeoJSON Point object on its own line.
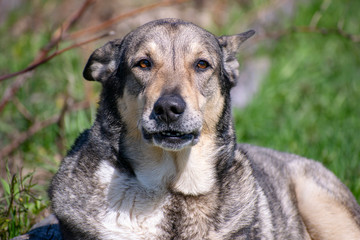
{"type": "Point", "coordinates": [230, 46]}
{"type": "Point", "coordinates": [103, 61]}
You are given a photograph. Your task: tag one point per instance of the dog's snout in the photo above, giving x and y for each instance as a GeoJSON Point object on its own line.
{"type": "Point", "coordinates": [169, 108]}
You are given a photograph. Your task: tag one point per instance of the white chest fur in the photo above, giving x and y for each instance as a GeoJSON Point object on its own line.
{"type": "Point", "coordinates": [132, 211]}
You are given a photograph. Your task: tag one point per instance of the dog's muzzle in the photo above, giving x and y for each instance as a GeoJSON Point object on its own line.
{"type": "Point", "coordinates": [170, 131]}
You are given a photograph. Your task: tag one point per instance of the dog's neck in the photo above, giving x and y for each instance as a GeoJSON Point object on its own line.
{"type": "Point", "coordinates": [190, 171]}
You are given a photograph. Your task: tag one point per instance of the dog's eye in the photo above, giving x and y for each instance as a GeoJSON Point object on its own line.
{"type": "Point", "coordinates": [144, 63]}
{"type": "Point", "coordinates": [202, 64]}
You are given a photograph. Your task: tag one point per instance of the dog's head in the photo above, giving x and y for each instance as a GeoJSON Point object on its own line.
{"type": "Point", "coordinates": [168, 79]}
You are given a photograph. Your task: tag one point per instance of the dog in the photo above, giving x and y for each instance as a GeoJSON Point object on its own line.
{"type": "Point", "coordinates": [161, 159]}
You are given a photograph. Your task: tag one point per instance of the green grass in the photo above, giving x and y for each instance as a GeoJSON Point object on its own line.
{"type": "Point", "coordinates": [20, 204]}
{"type": "Point", "coordinates": [309, 102]}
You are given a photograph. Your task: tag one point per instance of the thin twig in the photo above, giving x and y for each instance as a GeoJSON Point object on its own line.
{"type": "Point", "coordinates": [22, 137]}
{"type": "Point", "coordinates": [23, 110]}
{"type": "Point", "coordinates": [60, 142]}
{"type": "Point", "coordinates": [307, 29]}
{"type": "Point", "coordinates": [13, 88]}
{"type": "Point", "coordinates": [326, 31]}
{"type": "Point", "coordinates": [58, 34]}
{"type": "Point", "coordinates": [46, 59]}
{"type": "Point", "coordinates": [36, 127]}
{"type": "Point", "coordinates": [72, 19]}
{"type": "Point", "coordinates": [11, 201]}
{"type": "Point", "coordinates": [120, 17]}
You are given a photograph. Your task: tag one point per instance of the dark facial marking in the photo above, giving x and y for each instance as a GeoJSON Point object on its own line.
{"type": "Point", "coordinates": [173, 56]}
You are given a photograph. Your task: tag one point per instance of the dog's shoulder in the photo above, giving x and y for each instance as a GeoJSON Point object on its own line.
{"type": "Point", "coordinates": [80, 141]}
{"type": "Point", "coordinates": [84, 154]}
{"type": "Point", "coordinates": [75, 191]}
{"type": "Point", "coordinates": [80, 162]}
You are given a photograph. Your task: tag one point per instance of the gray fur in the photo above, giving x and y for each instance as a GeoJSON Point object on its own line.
{"type": "Point", "coordinates": [138, 174]}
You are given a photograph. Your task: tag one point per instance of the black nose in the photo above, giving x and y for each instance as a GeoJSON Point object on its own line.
{"type": "Point", "coordinates": [169, 108]}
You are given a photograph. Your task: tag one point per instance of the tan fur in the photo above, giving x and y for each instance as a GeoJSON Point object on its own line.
{"type": "Point", "coordinates": [127, 106]}
{"type": "Point", "coordinates": [196, 174]}
{"type": "Point", "coordinates": [324, 216]}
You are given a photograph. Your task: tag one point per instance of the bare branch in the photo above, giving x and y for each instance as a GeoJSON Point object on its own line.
{"type": "Point", "coordinates": [327, 31]}
{"type": "Point", "coordinates": [12, 89]}
{"type": "Point", "coordinates": [38, 126]}
{"type": "Point", "coordinates": [23, 110]}
{"type": "Point", "coordinates": [60, 142]}
{"type": "Point", "coordinates": [46, 59]}
{"type": "Point", "coordinates": [120, 17]}
{"type": "Point", "coordinates": [308, 29]}
{"type": "Point", "coordinates": [58, 34]}
{"type": "Point", "coordinates": [18, 140]}
{"type": "Point", "coordinates": [72, 19]}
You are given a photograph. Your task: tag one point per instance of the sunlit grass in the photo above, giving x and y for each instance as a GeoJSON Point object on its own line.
{"type": "Point", "coordinates": [308, 104]}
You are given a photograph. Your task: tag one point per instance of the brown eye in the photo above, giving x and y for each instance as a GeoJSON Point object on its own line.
{"type": "Point", "coordinates": [202, 64]}
{"type": "Point", "coordinates": [144, 63]}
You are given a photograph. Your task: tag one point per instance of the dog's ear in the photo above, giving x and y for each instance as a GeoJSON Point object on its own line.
{"type": "Point", "coordinates": [230, 46]}
{"type": "Point", "coordinates": [103, 61]}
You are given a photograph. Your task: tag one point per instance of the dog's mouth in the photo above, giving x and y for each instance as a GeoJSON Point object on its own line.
{"type": "Point", "coordinates": [171, 140]}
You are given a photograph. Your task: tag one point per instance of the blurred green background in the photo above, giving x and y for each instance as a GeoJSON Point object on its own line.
{"type": "Point", "coordinates": [299, 90]}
